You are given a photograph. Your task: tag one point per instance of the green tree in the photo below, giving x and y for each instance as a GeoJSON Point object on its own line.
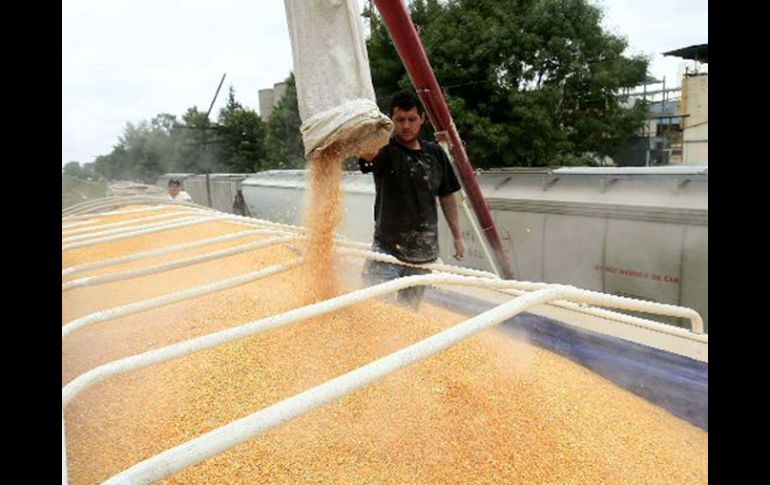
{"type": "Point", "coordinates": [241, 137]}
{"type": "Point", "coordinates": [72, 169]}
{"type": "Point", "coordinates": [144, 151]}
{"type": "Point", "coordinates": [283, 140]}
{"type": "Point", "coordinates": [529, 82]}
{"type": "Point", "coordinates": [88, 170]}
{"type": "Point", "coordinates": [103, 166]}
{"type": "Point", "coordinates": [196, 152]}
{"type": "Point", "coordinates": [115, 165]}
{"type": "Point", "coordinates": [143, 156]}
{"type": "Point", "coordinates": [164, 123]}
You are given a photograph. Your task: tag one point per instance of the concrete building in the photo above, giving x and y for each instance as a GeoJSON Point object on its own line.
{"type": "Point", "coordinates": [694, 106]}
{"type": "Point", "coordinates": [695, 127]}
{"type": "Point", "coordinates": [269, 97]}
{"type": "Point", "coordinates": [676, 130]}
{"type": "Point", "coordinates": [659, 142]}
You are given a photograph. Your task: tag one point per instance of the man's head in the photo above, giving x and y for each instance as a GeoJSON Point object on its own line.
{"type": "Point", "coordinates": [407, 115]}
{"type": "Point", "coordinates": [174, 186]}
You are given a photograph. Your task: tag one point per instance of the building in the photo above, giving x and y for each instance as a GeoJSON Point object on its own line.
{"type": "Point", "coordinates": [676, 131]}
{"type": "Point", "coordinates": [269, 97]}
{"type": "Point", "coordinates": [694, 104]}
{"type": "Point", "coordinates": [660, 141]}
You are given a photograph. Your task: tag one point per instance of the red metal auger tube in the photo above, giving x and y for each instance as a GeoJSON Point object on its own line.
{"type": "Point", "coordinates": [409, 46]}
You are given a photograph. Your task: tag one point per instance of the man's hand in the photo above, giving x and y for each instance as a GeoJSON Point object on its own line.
{"type": "Point", "coordinates": [366, 162]}
{"type": "Point", "coordinates": [459, 248]}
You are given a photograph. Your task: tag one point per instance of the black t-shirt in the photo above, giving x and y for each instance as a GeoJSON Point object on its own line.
{"type": "Point", "coordinates": [407, 183]}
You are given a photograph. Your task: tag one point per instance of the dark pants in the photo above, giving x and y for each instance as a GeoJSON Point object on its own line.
{"type": "Point", "coordinates": [379, 272]}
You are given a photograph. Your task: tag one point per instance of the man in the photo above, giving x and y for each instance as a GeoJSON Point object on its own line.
{"type": "Point", "coordinates": [175, 191]}
{"type": "Point", "coordinates": [409, 173]}
{"type": "Point", "coordinates": [239, 205]}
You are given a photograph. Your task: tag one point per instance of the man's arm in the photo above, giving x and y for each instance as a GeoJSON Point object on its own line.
{"type": "Point", "coordinates": [366, 162]}
{"type": "Point", "coordinates": [449, 207]}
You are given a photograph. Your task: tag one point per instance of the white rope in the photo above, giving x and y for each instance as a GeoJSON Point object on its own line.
{"type": "Point", "coordinates": [124, 230]}
{"type": "Point", "coordinates": [165, 227]}
{"type": "Point", "coordinates": [124, 275]}
{"type": "Point", "coordinates": [130, 222]}
{"type": "Point", "coordinates": [166, 250]}
{"type": "Point", "coordinates": [81, 223]}
{"type": "Point", "coordinates": [118, 213]}
{"type": "Point", "coordinates": [156, 302]}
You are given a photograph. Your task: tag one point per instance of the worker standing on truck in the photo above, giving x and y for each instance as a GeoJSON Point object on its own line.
{"type": "Point", "coordinates": [175, 191]}
{"type": "Point", "coordinates": [239, 205]}
{"type": "Point", "coordinates": [409, 173]}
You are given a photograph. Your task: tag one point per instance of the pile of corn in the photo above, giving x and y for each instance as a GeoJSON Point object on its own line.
{"type": "Point", "coordinates": [489, 410]}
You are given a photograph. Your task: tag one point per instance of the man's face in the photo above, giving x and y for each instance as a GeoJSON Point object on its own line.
{"type": "Point", "coordinates": [173, 190]}
{"type": "Point", "coordinates": [407, 124]}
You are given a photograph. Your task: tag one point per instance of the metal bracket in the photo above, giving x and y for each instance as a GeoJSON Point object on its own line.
{"type": "Point", "coordinates": [548, 181]}
{"type": "Point", "coordinates": [502, 182]}
{"type": "Point", "coordinates": [605, 183]}
{"type": "Point", "coordinates": [681, 184]}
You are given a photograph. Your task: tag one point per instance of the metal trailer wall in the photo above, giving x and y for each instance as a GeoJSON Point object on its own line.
{"type": "Point", "coordinates": [195, 185]}
{"type": "Point", "coordinates": [223, 187]}
{"type": "Point", "coordinates": [640, 232]}
{"type": "Point", "coordinates": [280, 196]}
{"type": "Point", "coordinates": [636, 232]}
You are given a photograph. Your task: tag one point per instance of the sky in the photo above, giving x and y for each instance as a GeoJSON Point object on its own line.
{"type": "Point", "coordinates": [128, 60]}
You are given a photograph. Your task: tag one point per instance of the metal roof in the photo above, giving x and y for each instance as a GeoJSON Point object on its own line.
{"type": "Point", "coordinates": [698, 53]}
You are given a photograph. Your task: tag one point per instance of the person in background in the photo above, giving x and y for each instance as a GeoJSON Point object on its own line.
{"type": "Point", "coordinates": [239, 205]}
{"type": "Point", "coordinates": [176, 193]}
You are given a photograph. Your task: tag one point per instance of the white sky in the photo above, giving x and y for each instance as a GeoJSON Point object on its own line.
{"type": "Point", "coordinates": [128, 60]}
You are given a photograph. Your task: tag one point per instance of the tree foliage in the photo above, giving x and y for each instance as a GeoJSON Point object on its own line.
{"type": "Point", "coordinates": [284, 139]}
{"type": "Point", "coordinates": [529, 83]}
{"type": "Point", "coordinates": [241, 138]}
{"type": "Point", "coordinates": [72, 169]}
{"type": "Point", "coordinates": [193, 144]}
